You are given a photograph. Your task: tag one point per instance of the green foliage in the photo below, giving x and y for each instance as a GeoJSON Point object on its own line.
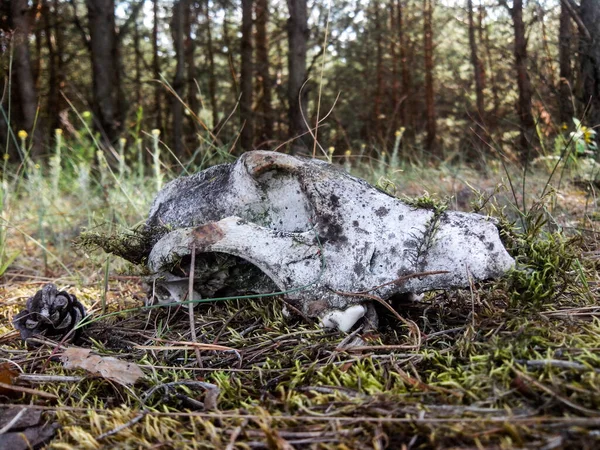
{"type": "Point", "coordinates": [544, 267]}
{"type": "Point", "coordinates": [583, 140]}
{"type": "Point", "coordinates": [427, 201]}
{"type": "Point", "coordinates": [545, 259]}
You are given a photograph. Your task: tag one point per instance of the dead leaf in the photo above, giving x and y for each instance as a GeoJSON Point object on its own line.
{"type": "Point", "coordinates": [18, 417]}
{"type": "Point", "coordinates": [20, 429]}
{"type": "Point", "coordinates": [8, 373]}
{"type": "Point", "coordinates": [114, 369]}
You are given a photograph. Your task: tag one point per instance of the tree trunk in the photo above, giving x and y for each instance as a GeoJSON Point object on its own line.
{"type": "Point", "coordinates": [37, 31]}
{"type": "Point", "coordinates": [178, 83]}
{"type": "Point", "coordinates": [527, 139]}
{"type": "Point", "coordinates": [297, 28]}
{"type": "Point", "coordinates": [590, 62]}
{"type": "Point", "coordinates": [212, 79]}
{"type": "Point", "coordinates": [565, 97]}
{"type": "Point", "coordinates": [105, 67]}
{"type": "Point", "coordinates": [394, 57]}
{"type": "Point", "coordinates": [246, 78]}
{"type": "Point", "coordinates": [156, 69]}
{"type": "Point", "coordinates": [60, 60]}
{"type": "Point", "coordinates": [53, 85]}
{"type": "Point", "coordinates": [192, 90]}
{"type": "Point", "coordinates": [493, 117]}
{"type": "Point", "coordinates": [378, 115]}
{"type": "Point", "coordinates": [477, 67]}
{"type": "Point", "coordinates": [262, 69]}
{"type": "Point", "coordinates": [406, 109]}
{"type": "Point", "coordinates": [23, 73]}
{"type": "Point", "coordinates": [281, 116]}
{"type": "Point", "coordinates": [429, 90]}
{"type": "Point", "coordinates": [35, 17]}
{"type": "Point", "coordinates": [138, 64]}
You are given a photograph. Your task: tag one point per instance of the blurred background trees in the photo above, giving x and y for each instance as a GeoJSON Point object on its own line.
{"type": "Point", "coordinates": [456, 78]}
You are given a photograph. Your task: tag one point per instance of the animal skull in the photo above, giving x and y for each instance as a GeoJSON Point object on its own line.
{"type": "Point", "coordinates": [313, 232]}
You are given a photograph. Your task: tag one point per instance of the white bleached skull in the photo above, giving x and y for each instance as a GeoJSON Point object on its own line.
{"type": "Point", "coordinates": [306, 228]}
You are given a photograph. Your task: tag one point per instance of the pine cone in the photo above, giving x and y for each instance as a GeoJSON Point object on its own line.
{"type": "Point", "coordinates": [51, 313]}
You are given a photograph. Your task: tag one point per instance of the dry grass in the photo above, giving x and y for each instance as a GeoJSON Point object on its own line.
{"type": "Point", "coordinates": [502, 366]}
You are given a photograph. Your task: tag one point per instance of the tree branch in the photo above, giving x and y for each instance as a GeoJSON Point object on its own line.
{"type": "Point", "coordinates": [573, 9]}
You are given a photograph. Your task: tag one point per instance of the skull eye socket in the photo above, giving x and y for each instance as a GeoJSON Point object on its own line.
{"type": "Point", "coordinates": [221, 275]}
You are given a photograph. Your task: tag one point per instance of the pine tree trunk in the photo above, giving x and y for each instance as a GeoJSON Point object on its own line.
{"type": "Point", "coordinates": [378, 115]}
{"type": "Point", "coordinates": [138, 64]}
{"type": "Point", "coordinates": [565, 97]}
{"type": "Point", "coordinates": [178, 83]}
{"type": "Point", "coordinates": [37, 31]}
{"type": "Point", "coordinates": [247, 78]}
{"type": "Point", "coordinates": [53, 85]}
{"type": "Point", "coordinates": [60, 59]}
{"type": "Point", "coordinates": [23, 74]}
{"type": "Point", "coordinates": [280, 92]}
{"type": "Point", "coordinates": [158, 124]}
{"type": "Point", "coordinates": [528, 134]}
{"type": "Point", "coordinates": [406, 109]}
{"type": "Point", "coordinates": [590, 62]}
{"type": "Point", "coordinates": [477, 67]}
{"type": "Point", "coordinates": [297, 27]}
{"type": "Point", "coordinates": [493, 116]}
{"type": "Point", "coordinates": [429, 89]}
{"type": "Point", "coordinates": [394, 57]}
{"type": "Point", "coordinates": [212, 79]}
{"type": "Point", "coordinates": [192, 90]}
{"type": "Point", "coordinates": [264, 107]}
{"type": "Point", "coordinates": [105, 67]}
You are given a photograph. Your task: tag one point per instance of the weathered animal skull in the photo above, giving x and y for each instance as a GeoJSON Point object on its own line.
{"type": "Point", "coordinates": [273, 222]}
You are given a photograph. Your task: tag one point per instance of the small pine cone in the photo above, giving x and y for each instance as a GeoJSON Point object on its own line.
{"type": "Point", "coordinates": [51, 313]}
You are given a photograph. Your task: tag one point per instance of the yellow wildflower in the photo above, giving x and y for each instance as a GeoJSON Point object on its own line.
{"type": "Point", "coordinates": [6, 157]}
{"type": "Point", "coordinates": [155, 132]}
{"type": "Point", "coordinates": [348, 152]}
{"type": "Point", "coordinates": [122, 141]}
{"type": "Point", "coordinates": [58, 131]}
{"type": "Point", "coordinates": [22, 134]}
{"type": "Point", "coordinates": [86, 114]}
{"type": "Point", "coordinates": [588, 135]}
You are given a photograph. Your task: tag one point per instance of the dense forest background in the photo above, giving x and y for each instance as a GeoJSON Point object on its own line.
{"type": "Point", "coordinates": [466, 79]}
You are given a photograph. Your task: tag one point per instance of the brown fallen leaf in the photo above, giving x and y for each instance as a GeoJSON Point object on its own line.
{"type": "Point", "coordinates": [114, 369]}
{"type": "Point", "coordinates": [8, 373]}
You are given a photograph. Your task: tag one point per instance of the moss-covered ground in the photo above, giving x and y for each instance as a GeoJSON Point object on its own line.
{"type": "Point", "coordinates": [505, 364]}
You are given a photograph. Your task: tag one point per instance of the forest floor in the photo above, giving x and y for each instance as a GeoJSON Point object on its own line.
{"type": "Point", "coordinates": [510, 363]}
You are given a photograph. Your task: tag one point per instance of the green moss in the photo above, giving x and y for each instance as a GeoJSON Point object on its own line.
{"type": "Point", "coordinates": [131, 245]}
